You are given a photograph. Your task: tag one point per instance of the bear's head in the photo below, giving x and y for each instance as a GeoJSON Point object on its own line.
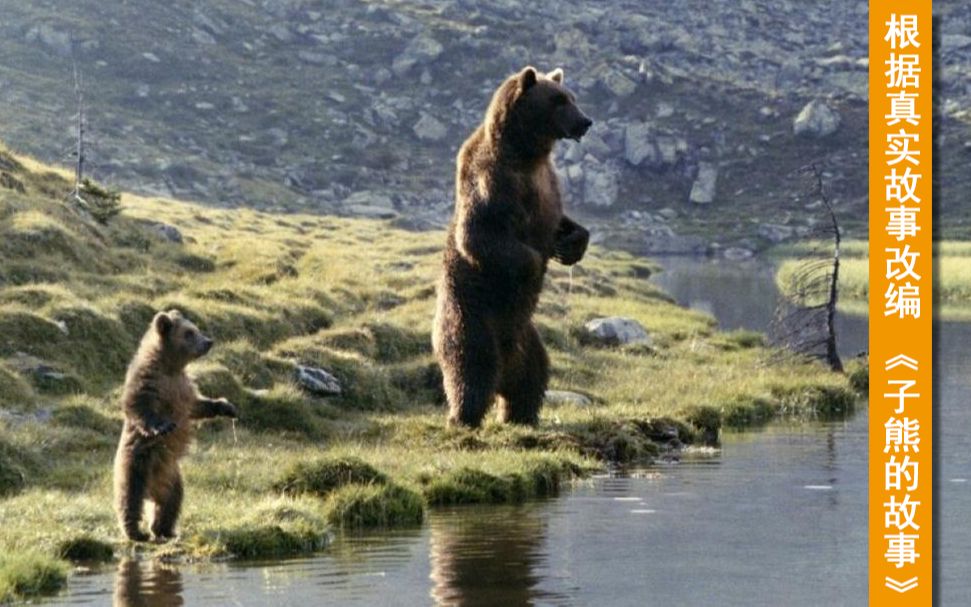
{"type": "Point", "coordinates": [180, 340]}
{"type": "Point", "coordinates": [533, 110]}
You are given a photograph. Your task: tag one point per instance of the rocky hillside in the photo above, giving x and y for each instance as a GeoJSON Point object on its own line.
{"type": "Point", "coordinates": [359, 107]}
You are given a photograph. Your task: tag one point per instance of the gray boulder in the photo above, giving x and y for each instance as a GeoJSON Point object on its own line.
{"type": "Point", "coordinates": [639, 144]}
{"type": "Point", "coordinates": [703, 189]}
{"type": "Point", "coordinates": [429, 128]}
{"type": "Point", "coordinates": [167, 232]}
{"type": "Point", "coordinates": [775, 233]}
{"type": "Point", "coordinates": [816, 120]}
{"type": "Point", "coordinates": [616, 331]}
{"type": "Point", "coordinates": [565, 397]}
{"type": "Point", "coordinates": [317, 381]}
{"type": "Point", "coordinates": [422, 49]}
{"type": "Point", "coordinates": [601, 184]}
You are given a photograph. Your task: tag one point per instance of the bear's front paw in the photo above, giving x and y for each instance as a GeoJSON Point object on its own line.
{"type": "Point", "coordinates": [160, 428]}
{"type": "Point", "coordinates": [228, 409]}
{"type": "Point", "coordinates": [570, 247]}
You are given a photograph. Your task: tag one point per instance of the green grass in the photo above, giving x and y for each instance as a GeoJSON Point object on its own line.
{"type": "Point", "coordinates": [953, 277]}
{"type": "Point", "coordinates": [28, 574]}
{"type": "Point", "coordinates": [355, 297]}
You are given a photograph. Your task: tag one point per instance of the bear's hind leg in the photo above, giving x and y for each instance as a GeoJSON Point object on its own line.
{"type": "Point", "coordinates": [168, 506]}
{"type": "Point", "coordinates": [525, 375]}
{"type": "Point", "coordinates": [470, 367]}
{"type": "Point", "coordinates": [131, 482]}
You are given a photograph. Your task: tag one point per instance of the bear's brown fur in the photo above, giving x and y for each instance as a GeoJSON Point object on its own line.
{"type": "Point", "coordinates": [508, 223]}
{"type": "Point", "coordinates": [159, 402]}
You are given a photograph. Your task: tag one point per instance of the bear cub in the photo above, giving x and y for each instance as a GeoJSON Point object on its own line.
{"type": "Point", "coordinates": [508, 223]}
{"type": "Point", "coordinates": [159, 402]}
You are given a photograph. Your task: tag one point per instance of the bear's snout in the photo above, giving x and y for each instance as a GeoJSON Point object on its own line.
{"type": "Point", "coordinates": [206, 346]}
{"type": "Point", "coordinates": [580, 128]}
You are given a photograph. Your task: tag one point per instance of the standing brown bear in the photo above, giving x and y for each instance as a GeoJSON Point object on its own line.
{"type": "Point", "coordinates": [159, 402]}
{"type": "Point", "coordinates": [508, 224]}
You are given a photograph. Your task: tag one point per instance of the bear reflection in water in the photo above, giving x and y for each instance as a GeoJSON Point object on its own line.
{"type": "Point", "coordinates": [147, 584]}
{"type": "Point", "coordinates": [488, 557]}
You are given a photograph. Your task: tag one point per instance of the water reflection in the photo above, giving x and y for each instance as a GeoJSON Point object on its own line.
{"type": "Point", "coordinates": [147, 584]}
{"type": "Point", "coordinates": [488, 556]}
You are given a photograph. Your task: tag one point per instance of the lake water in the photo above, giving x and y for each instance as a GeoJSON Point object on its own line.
{"type": "Point", "coordinates": [777, 518]}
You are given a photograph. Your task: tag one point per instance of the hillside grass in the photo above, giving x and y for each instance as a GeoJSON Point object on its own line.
{"type": "Point", "coordinates": [355, 297]}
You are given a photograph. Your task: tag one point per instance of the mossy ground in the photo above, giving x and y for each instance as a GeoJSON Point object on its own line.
{"type": "Point", "coordinates": [355, 297]}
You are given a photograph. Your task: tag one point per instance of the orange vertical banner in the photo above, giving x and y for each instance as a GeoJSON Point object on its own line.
{"type": "Point", "coordinates": [900, 466]}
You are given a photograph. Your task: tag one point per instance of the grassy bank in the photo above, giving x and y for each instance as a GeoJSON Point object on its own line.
{"type": "Point", "coordinates": [953, 276]}
{"type": "Point", "coordinates": [354, 297]}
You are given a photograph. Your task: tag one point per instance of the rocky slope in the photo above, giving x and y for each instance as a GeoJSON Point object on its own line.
{"type": "Point", "coordinates": [359, 107]}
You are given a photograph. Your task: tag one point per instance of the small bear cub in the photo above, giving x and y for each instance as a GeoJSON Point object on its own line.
{"type": "Point", "coordinates": [159, 402]}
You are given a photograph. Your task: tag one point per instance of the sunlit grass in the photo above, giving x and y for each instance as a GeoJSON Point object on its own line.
{"type": "Point", "coordinates": [357, 298]}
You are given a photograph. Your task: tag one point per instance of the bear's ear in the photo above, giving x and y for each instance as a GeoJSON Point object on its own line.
{"type": "Point", "coordinates": [162, 323]}
{"type": "Point", "coordinates": [527, 78]}
{"type": "Point", "coordinates": [556, 75]}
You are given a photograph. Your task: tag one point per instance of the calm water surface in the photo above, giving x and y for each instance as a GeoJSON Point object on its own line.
{"type": "Point", "coordinates": [777, 518]}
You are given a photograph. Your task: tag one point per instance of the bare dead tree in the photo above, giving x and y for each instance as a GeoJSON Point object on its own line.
{"type": "Point", "coordinates": [75, 195]}
{"type": "Point", "coordinates": [91, 199]}
{"type": "Point", "coordinates": [805, 319]}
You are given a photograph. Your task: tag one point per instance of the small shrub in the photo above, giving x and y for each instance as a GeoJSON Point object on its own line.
{"type": "Point", "coordinates": [282, 409]}
{"type": "Point", "coordinates": [365, 506]}
{"type": "Point", "coordinates": [15, 392]}
{"type": "Point", "coordinates": [103, 203]}
{"type": "Point", "coordinates": [468, 486]}
{"type": "Point", "coordinates": [28, 575]}
{"type": "Point", "coordinates": [271, 541]}
{"type": "Point", "coordinates": [86, 549]}
{"type": "Point", "coordinates": [859, 376]}
{"type": "Point", "coordinates": [745, 410]}
{"type": "Point", "coordinates": [12, 475]}
{"type": "Point", "coordinates": [323, 476]}
{"type": "Point", "coordinates": [707, 420]}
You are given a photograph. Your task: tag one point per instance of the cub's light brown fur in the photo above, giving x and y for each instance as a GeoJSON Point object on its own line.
{"type": "Point", "coordinates": [159, 403]}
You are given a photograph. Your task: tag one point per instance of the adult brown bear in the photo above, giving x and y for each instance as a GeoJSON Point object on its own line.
{"type": "Point", "coordinates": [508, 224]}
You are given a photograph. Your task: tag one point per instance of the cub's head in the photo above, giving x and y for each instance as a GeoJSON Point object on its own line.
{"type": "Point", "coordinates": [181, 341]}
{"type": "Point", "coordinates": [537, 108]}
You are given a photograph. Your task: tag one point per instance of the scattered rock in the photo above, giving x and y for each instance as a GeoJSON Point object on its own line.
{"type": "Point", "coordinates": [429, 128]}
{"type": "Point", "coordinates": [737, 254]}
{"type": "Point", "coordinates": [639, 144]}
{"type": "Point", "coordinates": [703, 190]}
{"type": "Point", "coordinates": [317, 381]}
{"type": "Point", "coordinates": [816, 119]}
{"type": "Point", "coordinates": [167, 232]}
{"type": "Point", "coordinates": [618, 84]}
{"type": "Point", "coordinates": [54, 40]}
{"type": "Point", "coordinates": [369, 198]}
{"type": "Point", "coordinates": [955, 42]}
{"type": "Point", "coordinates": [616, 330]}
{"type": "Point", "coordinates": [662, 240]}
{"type": "Point", "coordinates": [667, 213]}
{"type": "Point", "coordinates": [370, 211]}
{"type": "Point", "coordinates": [421, 50]}
{"type": "Point", "coordinates": [601, 184]}
{"type": "Point", "coordinates": [565, 397]}
{"type": "Point", "coordinates": [775, 233]}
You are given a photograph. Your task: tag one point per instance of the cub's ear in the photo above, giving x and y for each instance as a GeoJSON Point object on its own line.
{"type": "Point", "coordinates": [527, 78]}
{"type": "Point", "coordinates": [162, 323]}
{"type": "Point", "coordinates": [556, 75]}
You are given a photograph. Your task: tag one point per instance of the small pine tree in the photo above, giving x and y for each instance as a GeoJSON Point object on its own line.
{"type": "Point", "coordinates": [103, 203]}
